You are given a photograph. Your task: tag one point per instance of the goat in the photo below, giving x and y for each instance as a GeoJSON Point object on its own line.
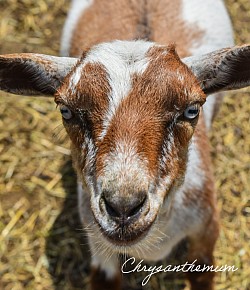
{"type": "Point", "coordinates": [137, 114]}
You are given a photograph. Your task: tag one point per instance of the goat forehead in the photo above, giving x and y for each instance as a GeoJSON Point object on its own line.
{"type": "Point", "coordinates": [122, 60]}
{"type": "Point", "coordinates": [125, 53]}
{"type": "Point", "coordinates": [118, 61]}
{"type": "Point", "coordinates": [111, 72]}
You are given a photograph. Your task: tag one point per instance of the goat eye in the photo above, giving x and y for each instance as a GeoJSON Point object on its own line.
{"type": "Point", "coordinates": [192, 111]}
{"type": "Point", "coordinates": [66, 113]}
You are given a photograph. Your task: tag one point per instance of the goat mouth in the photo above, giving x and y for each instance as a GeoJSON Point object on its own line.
{"type": "Point", "coordinates": [124, 227]}
{"type": "Point", "coordinates": [126, 235]}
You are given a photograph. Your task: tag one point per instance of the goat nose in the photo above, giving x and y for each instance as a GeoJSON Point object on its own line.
{"type": "Point", "coordinates": [122, 209]}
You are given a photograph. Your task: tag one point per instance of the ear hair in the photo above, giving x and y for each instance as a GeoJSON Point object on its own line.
{"type": "Point", "coordinates": [221, 70]}
{"type": "Point", "coordinates": [33, 74]}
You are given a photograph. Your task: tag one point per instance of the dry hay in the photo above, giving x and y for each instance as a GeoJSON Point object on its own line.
{"type": "Point", "coordinates": [42, 245]}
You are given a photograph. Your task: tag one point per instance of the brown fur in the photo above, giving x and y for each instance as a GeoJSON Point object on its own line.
{"type": "Point", "coordinates": [155, 20]}
{"type": "Point", "coordinates": [165, 22]}
{"type": "Point", "coordinates": [143, 116]}
{"type": "Point", "coordinates": [99, 281]}
{"type": "Point", "coordinates": [107, 20]}
{"type": "Point", "coordinates": [91, 96]}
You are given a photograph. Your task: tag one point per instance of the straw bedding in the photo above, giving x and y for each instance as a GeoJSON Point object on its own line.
{"type": "Point", "coordinates": [42, 245]}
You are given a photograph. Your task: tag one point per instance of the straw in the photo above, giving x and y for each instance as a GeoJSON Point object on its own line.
{"type": "Point", "coordinates": [42, 245]}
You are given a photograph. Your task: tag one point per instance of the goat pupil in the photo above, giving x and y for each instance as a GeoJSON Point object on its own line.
{"type": "Point", "coordinates": [66, 113]}
{"type": "Point", "coordinates": [193, 111]}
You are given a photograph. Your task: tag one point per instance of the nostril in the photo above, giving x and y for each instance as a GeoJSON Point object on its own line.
{"type": "Point", "coordinates": [137, 207]}
{"type": "Point", "coordinates": [111, 210]}
{"type": "Point", "coordinates": [122, 207]}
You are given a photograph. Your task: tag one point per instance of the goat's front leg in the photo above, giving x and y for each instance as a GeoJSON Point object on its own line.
{"type": "Point", "coordinates": [201, 246]}
{"type": "Point", "coordinates": [105, 270]}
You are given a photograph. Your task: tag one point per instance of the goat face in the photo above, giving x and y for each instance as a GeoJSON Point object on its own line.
{"type": "Point", "coordinates": [130, 111]}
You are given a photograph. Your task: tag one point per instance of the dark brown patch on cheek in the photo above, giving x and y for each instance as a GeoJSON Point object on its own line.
{"type": "Point", "coordinates": [173, 164]}
{"type": "Point", "coordinates": [91, 92]}
{"type": "Point", "coordinates": [170, 88]}
{"type": "Point", "coordinates": [96, 90]}
{"type": "Point", "coordinates": [89, 104]}
{"type": "Point", "coordinates": [182, 136]}
{"type": "Point", "coordinates": [183, 132]}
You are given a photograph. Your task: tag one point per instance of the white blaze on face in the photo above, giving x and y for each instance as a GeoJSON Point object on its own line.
{"type": "Point", "coordinates": [121, 60]}
{"type": "Point", "coordinates": [74, 80]}
{"type": "Point", "coordinates": [124, 166]}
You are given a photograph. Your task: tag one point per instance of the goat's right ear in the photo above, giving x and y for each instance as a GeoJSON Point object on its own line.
{"type": "Point", "coordinates": [33, 74]}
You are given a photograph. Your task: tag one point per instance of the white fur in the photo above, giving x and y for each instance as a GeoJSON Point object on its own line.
{"type": "Point", "coordinates": [123, 159]}
{"type": "Point", "coordinates": [102, 260]}
{"type": "Point", "coordinates": [211, 17]}
{"type": "Point", "coordinates": [209, 108]}
{"type": "Point", "coordinates": [177, 226]}
{"type": "Point", "coordinates": [75, 78]}
{"type": "Point", "coordinates": [166, 152]}
{"type": "Point", "coordinates": [128, 58]}
{"type": "Point", "coordinates": [80, 200]}
{"type": "Point", "coordinates": [169, 231]}
{"type": "Point", "coordinates": [77, 9]}
{"type": "Point", "coordinates": [195, 176]}
{"type": "Point", "coordinates": [124, 166]}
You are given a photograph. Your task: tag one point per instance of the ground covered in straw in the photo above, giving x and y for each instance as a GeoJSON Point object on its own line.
{"type": "Point", "coordinates": [42, 245]}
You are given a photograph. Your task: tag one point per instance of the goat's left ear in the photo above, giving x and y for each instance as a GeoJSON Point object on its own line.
{"type": "Point", "coordinates": [221, 70]}
{"type": "Point", "coordinates": [33, 74]}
